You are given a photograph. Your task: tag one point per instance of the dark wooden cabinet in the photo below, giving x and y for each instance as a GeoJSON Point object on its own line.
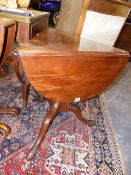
{"type": "Point", "coordinates": [124, 39]}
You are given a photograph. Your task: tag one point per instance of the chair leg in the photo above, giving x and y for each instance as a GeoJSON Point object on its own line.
{"type": "Point", "coordinates": [25, 93]}
{"type": "Point", "coordinates": [5, 129]}
{"type": "Point", "coordinates": [20, 75]}
{"type": "Point", "coordinates": [10, 110]}
{"type": "Point", "coordinates": [44, 128]}
{"type": "Point", "coordinates": [77, 111]}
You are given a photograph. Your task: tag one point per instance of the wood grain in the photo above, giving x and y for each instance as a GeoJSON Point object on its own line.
{"type": "Point", "coordinates": [69, 15]}
{"type": "Point", "coordinates": [67, 72]}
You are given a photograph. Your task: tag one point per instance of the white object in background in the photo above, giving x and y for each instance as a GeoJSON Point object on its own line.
{"type": "Point", "coordinates": [101, 27]}
{"type": "Point", "coordinates": [12, 4]}
{"type": "Point", "coordinates": [88, 44]}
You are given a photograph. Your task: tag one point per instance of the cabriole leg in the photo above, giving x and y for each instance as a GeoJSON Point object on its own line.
{"type": "Point", "coordinates": [44, 128]}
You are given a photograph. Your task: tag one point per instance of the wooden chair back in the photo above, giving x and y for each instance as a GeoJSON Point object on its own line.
{"type": "Point", "coordinates": [98, 20]}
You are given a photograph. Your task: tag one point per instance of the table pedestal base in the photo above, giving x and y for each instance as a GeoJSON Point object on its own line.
{"type": "Point", "coordinates": [55, 108]}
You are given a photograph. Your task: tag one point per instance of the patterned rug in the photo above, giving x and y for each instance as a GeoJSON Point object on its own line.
{"type": "Point", "coordinates": [69, 148]}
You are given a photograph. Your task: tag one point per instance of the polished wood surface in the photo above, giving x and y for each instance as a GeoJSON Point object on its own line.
{"type": "Point", "coordinates": [67, 63]}
{"type": "Point", "coordinates": [7, 34]}
{"type": "Point", "coordinates": [5, 130]}
{"type": "Point", "coordinates": [66, 69]}
{"type": "Point", "coordinates": [69, 15]}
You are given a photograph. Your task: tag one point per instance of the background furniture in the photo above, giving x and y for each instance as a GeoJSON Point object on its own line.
{"type": "Point", "coordinates": [69, 15]}
{"type": "Point", "coordinates": [98, 20]}
{"type": "Point", "coordinates": [27, 26]}
{"type": "Point", "coordinates": [124, 39]}
{"type": "Point", "coordinates": [7, 34]}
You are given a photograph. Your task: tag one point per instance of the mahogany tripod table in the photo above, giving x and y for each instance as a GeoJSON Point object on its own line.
{"type": "Point", "coordinates": [65, 69]}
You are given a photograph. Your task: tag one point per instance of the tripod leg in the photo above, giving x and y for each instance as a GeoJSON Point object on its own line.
{"type": "Point", "coordinates": [5, 129]}
{"type": "Point", "coordinates": [77, 111]}
{"type": "Point", "coordinates": [10, 110]}
{"type": "Point", "coordinates": [44, 128]}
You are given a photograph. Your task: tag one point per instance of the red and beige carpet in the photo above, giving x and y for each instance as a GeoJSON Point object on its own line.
{"type": "Point", "coordinates": [69, 148]}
